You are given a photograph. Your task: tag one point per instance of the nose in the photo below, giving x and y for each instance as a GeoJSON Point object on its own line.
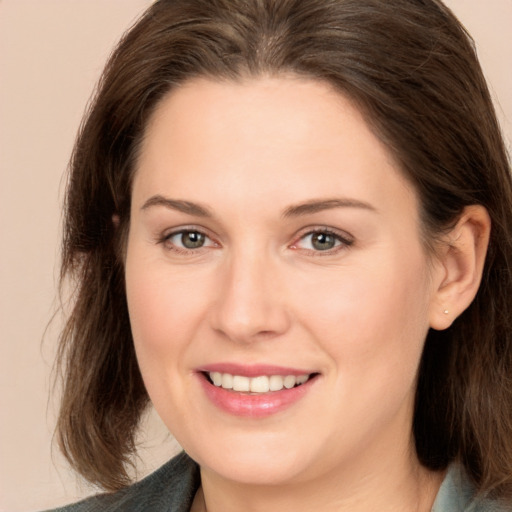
{"type": "Point", "coordinates": [251, 304]}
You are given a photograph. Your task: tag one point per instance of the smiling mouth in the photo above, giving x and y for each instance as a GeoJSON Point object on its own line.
{"type": "Point", "coordinates": [257, 385]}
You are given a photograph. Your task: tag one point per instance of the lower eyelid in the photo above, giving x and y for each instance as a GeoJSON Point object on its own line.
{"type": "Point", "coordinates": [165, 240]}
{"type": "Point", "coordinates": [340, 239]}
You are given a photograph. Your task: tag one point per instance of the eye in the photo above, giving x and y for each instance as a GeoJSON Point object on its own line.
{"type": "Point", "coordinates": [322, 240]}
{"type": "Point", "coordinates": [187, 240]}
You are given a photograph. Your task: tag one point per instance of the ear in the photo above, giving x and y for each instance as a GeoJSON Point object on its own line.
{"type": "Point", "coordinates": [115, 220]}
{"type": "Point", "coordinates": [459, 266]}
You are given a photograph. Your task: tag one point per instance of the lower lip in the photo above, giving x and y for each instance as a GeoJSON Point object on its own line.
{"type": "Point", "coordinates": [252, 405]}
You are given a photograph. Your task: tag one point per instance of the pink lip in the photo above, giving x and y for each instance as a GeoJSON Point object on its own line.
{"type": "Point", "coordinates": [252, 370]}
{"type": "Point", "coordinates": [253, 405]}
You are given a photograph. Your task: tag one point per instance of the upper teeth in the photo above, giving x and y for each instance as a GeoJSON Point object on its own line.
{"type": "Point", "coordinates": [262, 384]}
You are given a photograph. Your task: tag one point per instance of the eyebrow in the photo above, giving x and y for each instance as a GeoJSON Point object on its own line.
{"type": "Point", "coordinates": [316, 206]}
{"type": "Point", "coordinates": [178, 205]}
{"type": "Point", "coordinates": [298, 210]}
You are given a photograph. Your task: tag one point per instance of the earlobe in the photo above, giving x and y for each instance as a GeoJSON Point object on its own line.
{"type": "Point", "coordinates": [459, 267]}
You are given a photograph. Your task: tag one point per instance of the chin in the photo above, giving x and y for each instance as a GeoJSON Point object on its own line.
{"type": "Point", "coordinates": [256, 462]}
{"type": "Point", "coordinates": [268, 470]}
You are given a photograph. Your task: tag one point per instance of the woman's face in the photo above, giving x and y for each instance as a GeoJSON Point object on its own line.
{"type": "Point", "coordinates": [273, 240]}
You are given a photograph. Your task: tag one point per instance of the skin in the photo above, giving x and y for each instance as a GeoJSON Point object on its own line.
{"type": "Point", "coordinates": [259, 291]}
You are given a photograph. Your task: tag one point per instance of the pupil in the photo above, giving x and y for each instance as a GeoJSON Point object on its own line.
{"type": "Point", "coordinates": [192, 239]}
{"type": "Point", "coordinates": [323, 241]}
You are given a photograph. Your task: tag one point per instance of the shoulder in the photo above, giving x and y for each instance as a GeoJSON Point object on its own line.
{"type": "Point", "coordinates": [457, 494]}
{"type": "Point", "coordinates": [172, 487]}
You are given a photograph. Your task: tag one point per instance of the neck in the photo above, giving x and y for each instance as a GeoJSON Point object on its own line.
{"type": "Point", "coordinates": [403, 485]}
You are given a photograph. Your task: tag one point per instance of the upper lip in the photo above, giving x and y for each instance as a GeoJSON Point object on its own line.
{"type": "Point", "coordinates": [253, 370]}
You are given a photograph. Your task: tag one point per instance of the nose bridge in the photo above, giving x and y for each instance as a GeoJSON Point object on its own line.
{"type": "Point", "coordinates": [250, 301]}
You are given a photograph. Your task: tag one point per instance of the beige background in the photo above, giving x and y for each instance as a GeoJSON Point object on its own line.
{"type": "Point", "coordinates": [51, 53]}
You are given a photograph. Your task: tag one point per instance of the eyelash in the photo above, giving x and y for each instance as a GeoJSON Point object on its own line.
{"type": "Point", "coordinates": [165, 240]}
{"type": "Point", "coordinates": [342, 241]}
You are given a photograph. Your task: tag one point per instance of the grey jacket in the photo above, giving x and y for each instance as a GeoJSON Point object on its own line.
{"type": "Point", "coordinates": [172, 488]}
{"type": "Point", "coordinates": [169, 489]}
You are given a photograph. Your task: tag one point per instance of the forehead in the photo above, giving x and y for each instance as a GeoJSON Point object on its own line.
{"type": "Point", "coordinates": [285, 110]}
{"type": "Point", "coordinates": [284, 135]}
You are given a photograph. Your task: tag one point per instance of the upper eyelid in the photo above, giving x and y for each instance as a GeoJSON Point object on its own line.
{"type": "Point", "coordinates": [165, 241]}
{"type": "Point", "coordinates": [165, 236]}
{"type": "Point", "coordinates": [167, 233]}
{"type": "Point", "coordinates": [343, 235]}
{"type": "Point", "coordinates": [345, 239]}
{"type": "Point", "coordinates": [310, 230]}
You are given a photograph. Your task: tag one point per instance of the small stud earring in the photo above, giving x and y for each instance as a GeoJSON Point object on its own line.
{"type": "Point", "coordinates": [445, 311]}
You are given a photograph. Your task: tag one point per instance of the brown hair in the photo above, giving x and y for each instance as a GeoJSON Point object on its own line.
{"type": "Point", "coordinates": [412, 70]}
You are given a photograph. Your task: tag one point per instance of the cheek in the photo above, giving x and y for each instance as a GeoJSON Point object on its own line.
{"type": "Point", "coordinates": [162, 316]}
{"type": "Point", "coordinates": [375, 318]}
{"type": "Point", "coordinates": [163, 319]}
{"type": "Point", "coordinates": [163, 308]}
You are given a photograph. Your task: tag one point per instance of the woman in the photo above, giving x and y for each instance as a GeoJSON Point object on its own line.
{"type": "Point", "coordinates": [290, 225]}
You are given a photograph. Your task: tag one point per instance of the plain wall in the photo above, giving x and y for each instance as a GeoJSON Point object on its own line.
{"type": "Point", "coordinates": [51, 54]}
